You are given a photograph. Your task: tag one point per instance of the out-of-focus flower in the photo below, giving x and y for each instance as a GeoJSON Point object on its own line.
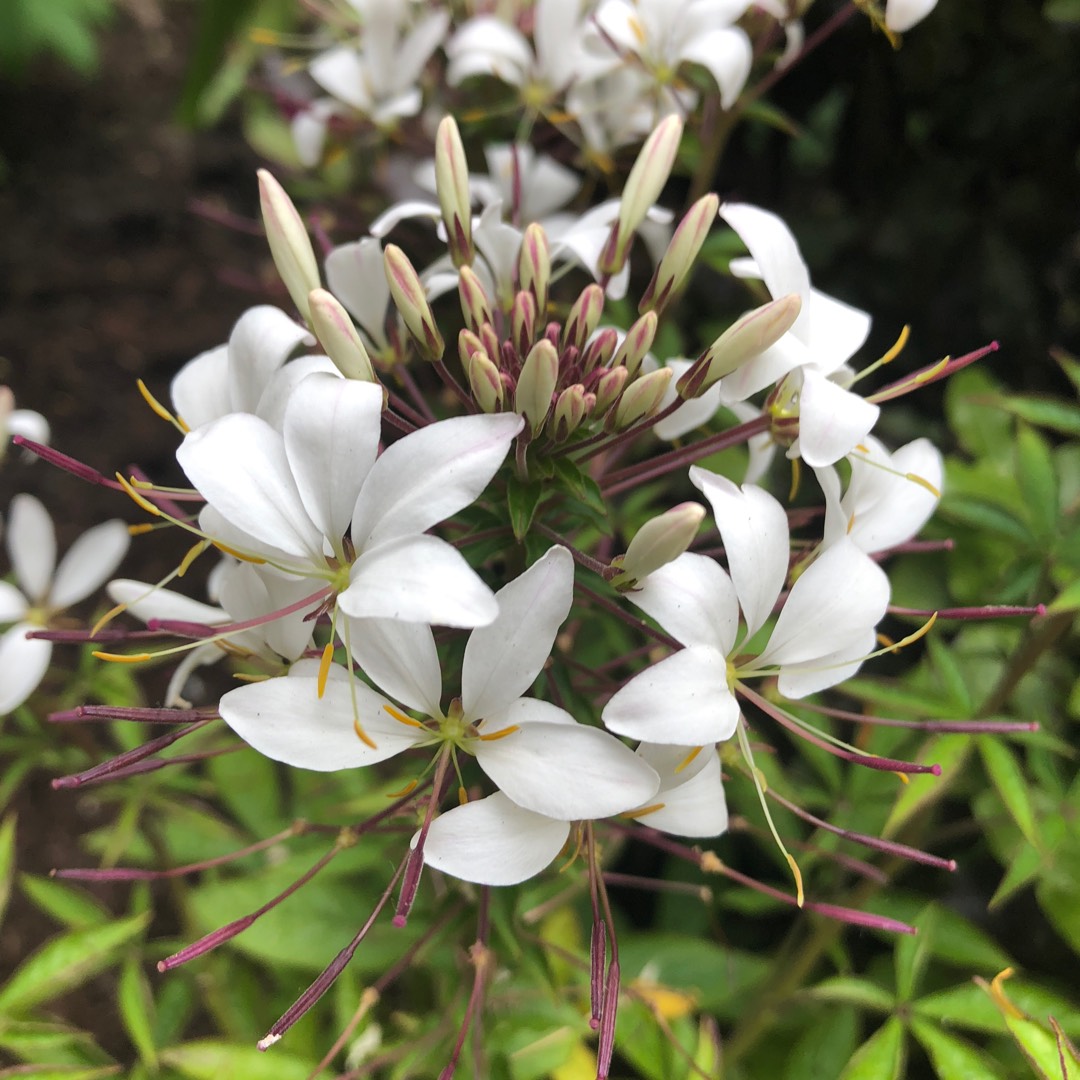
{"type": "Point", "coordinates": [31, 425]}
{"type": "Point", "coordinates": [46, 589]}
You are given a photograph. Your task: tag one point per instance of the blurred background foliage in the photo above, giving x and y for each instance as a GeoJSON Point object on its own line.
{"type": "Point", "coordinates": [937, 186]}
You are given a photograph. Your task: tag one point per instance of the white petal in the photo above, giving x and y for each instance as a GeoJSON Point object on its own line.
{"type": "Point", "coordinates": [403, 211]}
{"type": "Point", "coordinates": [339, 71]}
{"type": "Point", "coordinates": [832, 420]}
{"type": "Point", "coordinates": [308, 128]}
{"type": "Point", "coordinates": [401, 659]}
{"type": "Point", "coordinates": [503, 658]}
{"type": "Point", "coordinates": [684, 699]}
{"type": "Point", "coordinates": [430, 474]}
{"type": "Point", "coordinates": [332, 429]}
{"type": "Point", "coordinates": [238, 464]}
{"type": "Point", "coordinates": [493, 842]}
{"type": "Point", "coordinates": [146, 602]}
{"type": "Point", "coordinates": [902, 15]}
{"type": "Point", "coordinates": [754, 529]}
{"type": "Point", "coordinates": [286, 720]}
{"type": "Point", "coordinates": [418, 579]}
{"type": "Point", "coordinates": [692, 799]}
{"type": "Point", "coordinates": [261, 341]}
{"type": "Point", "coordinates": [796, 681]}
{"type": "Point", "coordinates": [693, 599]}
{"type": "Point", "coordinates": [572, 772]}
{"type": "Point", "coordinates": [249, 592]}
{"type": "Point", "coordinates": [841, 593]}
{"type": "Point", "coordinates": [836, 330]}
{"type": "Point", "coordinates": [727, 55]}
{"type": "Point", "coordinates": [487, 46]}
{"type": "Point", "coordinates": [89, 563]}
{"type": "Point", "coordinates": [200, 391]}
{"type": "Point", "coordinates": [30, 425]}
{"type": "Point", "coordinates": [31, 542]}
{"type": "Point", "coordinates": [23, 663]}
{"type": "Point", "coordinates": [13, 604]}
{"type": "Point", "coordinates": [355, 275]}
{"type": "Point", "coordinates": [413, 52]}
{"type": "Point", "coordinates": [764, 370]}
{"type": "Point", "coordinates": [279, 390]}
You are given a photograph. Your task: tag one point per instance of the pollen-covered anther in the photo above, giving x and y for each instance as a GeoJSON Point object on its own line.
{"type": "Point", "coordinates": [122, 658]}
{"type": "Point", "coordinates": [325, 661]}
{"type": "Point", "coordinates": [401, 718]}
{"type": "Point", "coordinates": [491, 736]}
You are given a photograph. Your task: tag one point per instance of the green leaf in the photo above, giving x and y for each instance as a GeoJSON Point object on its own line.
{"type": "Point", "coordinates": [953, 1058]}
{"type": "Point", "coordinates": [913, 952]}
{"type": "Point", "coordinates": [67, 961]}
{"type": "Point", "coordinates": [1008, 777]}
{"type": "Point", "coordinates": [1048, 412]}
{"type": "Point", "coordinates": [69, 1072]}
{"type": "Point", "coordinates": [948, 751]}
{"type": "Point", "coordinates": [853, 991]}
{"type": "Point", "coordinates": [949, 672]}
{"type": "Point", "coordinates": [580, 484]}
{"type": "Point", "coordinates": [136, 1010]}
{"type": "Point", "coordinates": [968, 1006]}
{"type": "Point", "coordinates": [522, 499]}
{"type": "Point", "coordinates": [824, 1046]}
{"type": "Point", "coordinates": [881, 1057]}
{"type": "Point", "coordinates": [1040, 1048]}
{"type": "Point", "coordinates": [67, 904]}
{"type": "Point", "coordinates": [7, 860]}
{"type": "Point", "coordinates": [1038, 480]}
{"type": "Point", "coordinates": [984, 431]}
{"type": "Point", "coordinates": [209, 1059]}
{"type": "Point", "coordinates": [1068, 599]}
{"type": "Point", "coordinates": [1021, 871]}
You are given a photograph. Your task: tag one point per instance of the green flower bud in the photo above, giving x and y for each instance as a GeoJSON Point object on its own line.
{"type": "Point", "coordinates": [534, 266]}
{"type": "Point", "coordinates": [536, 384]}
{"type": "Point", "coordinates": [642, 398]}
{"type": "Point", "coordinates": [475, 306]}
{"type": "Point", "coordinates": [338, 336]}
{"type": "Point", "coordinates": [583, 317]}
{"type": "Point", "coordinates": [485, 382]}
{"type": "Point", "coordinates": [452, 188]}
{"type": "Point", "coordinates": [411, 301]}
{"type": "Point", "coordinates": [679, 258]}
{"type": "Point", "coordinates": [658, 542]}
{"type": "Point", "coordinates": [637, 342]}
{"type": "Point", "coordinates": [571, 408]}
{"type": "Point", "coordinates": [290, 245]}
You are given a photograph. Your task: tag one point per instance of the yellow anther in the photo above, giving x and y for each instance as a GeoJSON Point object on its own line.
{"type": "Point", "coordinates": [665, 1001]}
{"type": "Point", "coordinates": [410, 786]}
{"type": "Point", "coordinates": [159, 409]}
{"type": "Point", "coordinates": [107, 618]}
{"type": "Point", "coordinates": [142, 527]}
{"type": "Point", "coordinates": [324, 666]}
{"type": "Point", "coordinates": [997, 992]}
{"type": "Point", "coordinates": [500, 734]}
{"type": "Point", "coordinates": [850, 524]}
{"type": "Point", "coordinates": [923, 483]}
{"type": "Point", "coordinates": [363, 736]}
{"type": "Point", "coordinates": [886, 642]}
{"type": "Point", "coordinates": [933, 372]}
{"type": "Point", "coordinates": [904, 778]}
{"type": "Point", "coordinates": [398, 715]}
{"type": "Point", "coordinates": [796, 476]}
{"type": "Point", "coordinates": [122, 658]}
{"type": "Point", "coordinates": [260, 35]}
{"type": "Point", "coordinates": [241, 676]}
{"type": "Point", "coordinates": [644, 811]}
{"type": "Point", "coordinates": [139, 501]}
{"type": "Point", "coordinates": [800, 898]}
{"type": "Point", "coordinates": [710, 862]}
{"type": "Point", "coordinates": [898, 347]}
{"type": "Point", "coordinates": [193, 553]}
{"type": "Point", "coordinates": [237, 554]}
{"type": "Point", "coordinates": [637, 29]}
{"type": "Point", "coordinates": [689, 757]}
{"type": "Point", "coordinates": [462, 795]}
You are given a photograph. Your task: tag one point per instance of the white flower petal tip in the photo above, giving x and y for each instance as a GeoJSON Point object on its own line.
{"type": "Point", "coordinates": [691, 799]}
{"type": "Point", "coordinates": [902, 15]}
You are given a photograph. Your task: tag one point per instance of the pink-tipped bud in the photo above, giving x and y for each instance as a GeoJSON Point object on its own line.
{"type": "Point", "coordinates": [485, 382]}
{"type": "Point", "coordinates": [659, 541]}
{"type": "Point", "coordinates": [636, 344]}
{"type": "Point", "coordinates": [571, 408]}
{"type": "Point", "coordinates": [534, 266]}
{"type": "Point", "coordinates": [642, 398]}
{"type": "Point", "coordinates": [583, 317]}
{"type": "Point", "coordinates": [608, 388]}
{"type": "Point", "coordinates": [748, 337]}
{"type": "Point", "coordinates": [475, 305]}
{"type": "Point", "coordinates": [679, 258]}
{"type": "Point", "coordinates": [523, 321]}
{"type": "Point", "coordinates": [339, 337]}
{"type": "Point", "coordinates": [290, 245]}
{"type": "Point", "coordinates": [536, 384]}
{"type": "Point", "coordinates": [411, 301]}
{"type": "Point", "coordinates": [469, 343]}
{"type": "Point", "coordinates": [643, 186]}
{"type": "Point", "coordinates": [452, 188]}
{"type": "Point", "coordinates": [599, 351]}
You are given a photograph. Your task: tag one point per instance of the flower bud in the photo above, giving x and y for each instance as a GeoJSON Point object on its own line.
{"type": "Point", "coordinates": [583, 317]}
{"type": "Point", "coordinates": [637, 342]}
{"type": "Point", "coordinates": [642, 398]}
{"type": "Point", "coordinates": [536, 384]}
{"type": "Point", "coordinates": [467, 344]}
{"type": "Point", "coordinates": [523, 321]}
{"type": "Point", "coordinates": [290, 245]}
{"type": "Point", "coordinates": [643, 186]}
{"type": "Point", "coordinates": [658, 542]}
{"type": "Point", "coordinates": [571, 408]}
{"type": "Point", "coordinates": [608, 387]}
{"type": "Point", "coordinates": [534, 266]}
{"type": "Point", "coordinates": [338, 336]}
{"type": "Point", "coordinates": [408, 294]}
{"type": "Point", "coordinates": [485, 382]}
{"type": "Point", "coordinates": [748, 337]}
{"type": "Point", "coordinates": [679, 258]}
{"type": "Point", "coordinates": [452, 188]}
{"type": "Point", "coordinates": [475, 306]}
{"type": "Point", "coordinates": [600, 349]}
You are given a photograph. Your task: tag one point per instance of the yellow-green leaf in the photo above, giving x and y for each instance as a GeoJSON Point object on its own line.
{"type": "Point", "coordinates": [881, 1057]}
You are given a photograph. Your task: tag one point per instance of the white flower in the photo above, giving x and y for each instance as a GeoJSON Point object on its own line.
{"type": "Point", "coordinates": [46, 589]}
{"type": "Point", "coordinates": [690, 800]}
{"type": "Point", "coordinates": [546, 764]}
{"type": "Point", "coordinates": [25, 422]}
{"type": "Point", "coordinates": [822, 634]}
{"type": "Point", "coordinates": [355, 274]}
{"type": "Point", "coordinates": [612, 110]}
{"type": "Point", "coordinates": [889, 496]}
{"type": "Point", "coordinates": [902, 15]}
{"type": "Point", "coordinates": [289, 497]}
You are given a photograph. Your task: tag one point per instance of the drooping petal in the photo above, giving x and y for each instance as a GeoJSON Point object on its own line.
{"type": "Point", "coordinates": [13, 605]}
{"type": "Point", "coordinates": [261, 341]}
{"type": "Point", "coordinates": [693, 599]}
{"type": "Point", "coordinates": [89, 563]}
{"type": "Point", "coordinates": [567, 771]}
{"type": "Point", "coordinates": [841, 593]}
{"type": "Point", "coordinates": [429, 475]}
{"type": "Point", "coordinates": [200, 390]}
{"type": "Point", "coordinates": [836, 330]}
{"type": "Point", "coordinates": [691, 796]}
{"type": "Point", "coordinates": [727, 55]}
{"type": "Point", "coordinates": [754, 529]}
{"type": "Point", "coordinates": [286, 720]}
{"type": "Point", "coordinates": [401, 659]}
{"type": "Point", "coordinates": [493, 842]}
{"type": "Point", "coordinates": [832, 420]}
{"type": "Point", "coordinates": [23, 663]}
{"type": "Point", "coordinates": [31, 542]}
{"type": "Point", "coordinates": [238, 464]}
{"type": "Point", "coordinates": [684, 699]}
{"type": "Point", "coordinates": [418, 579]}
{"type": "Point", "coordinates": [503, 658]}
{"type": "Point", "coordinates": [332, 429]}
{"type": "Point", "coordinates": [146, 601]}
{"type": "Point", "coordinates": [251, 592]}
{"type": "Point", "coordinates": [797, 680]}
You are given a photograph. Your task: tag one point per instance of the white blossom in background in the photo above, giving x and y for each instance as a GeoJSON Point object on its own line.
{"type": "Point", "coordinates": [25, 422]}
{"type": "Point", "coordinates": [902, 15]}
{"type": "Point", "coordinates": [46, 589]}
{"type": "Point", "coordinates": [824, 630]}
